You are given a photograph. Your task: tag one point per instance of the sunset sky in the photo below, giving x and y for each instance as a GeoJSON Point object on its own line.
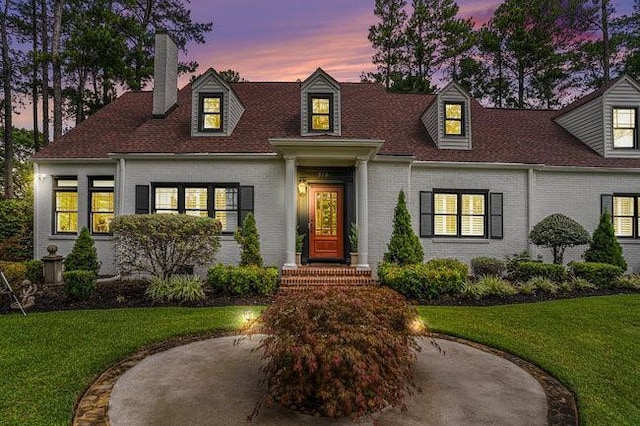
{"type": "Point", "coordinates": [285, 40]}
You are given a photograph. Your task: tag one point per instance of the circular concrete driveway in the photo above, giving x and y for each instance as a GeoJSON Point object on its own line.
{"type": "Point", "coordinates": [213, 382]}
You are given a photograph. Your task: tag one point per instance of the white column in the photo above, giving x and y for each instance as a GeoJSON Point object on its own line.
{"type": "Point", "coordinates": [363, 215]}
{"type": "Point", "coordinates": [290, 213]}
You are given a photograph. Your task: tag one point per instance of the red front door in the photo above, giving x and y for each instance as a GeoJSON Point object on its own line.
{"type": "Point", "coordinates": [325, 214]}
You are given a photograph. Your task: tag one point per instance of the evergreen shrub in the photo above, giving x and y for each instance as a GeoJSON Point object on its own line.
{"type": "Point", "coordinates": [484, 265]}
{"type": "Point", "coordinates": [604, 247]}
{"type": "Point", "coordinates": [79, 284]}
{"type": "Point", "coordinates": [16, 229]}
{"type": "Point", "coordinates": [83, 256]}
{"type": "Point", "coordinates": [524, 271]}
{"type": "Point", "coordinates": [424, 280]}
{"type": "Point", "coordinates": [15, 273]}
{"type": "Point", "coordinates": [339, 352]}
{"type": "Point", "coordinates": [249, 239]}
{"type": "Point", "coordinates": [404, 248]}
{"type": "Point", "coordinates": [242, 280]}
{"type": "Point", "coordinates": [35, 271]}
{"type": "Point", "coordinates": [602, 275]}
{"type": "Point", "coordinates": [558, 232]}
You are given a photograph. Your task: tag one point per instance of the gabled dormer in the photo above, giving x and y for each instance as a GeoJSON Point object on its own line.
{"type": "Point", "coordinates": [320, 105]}
{"type": "Point", "coordinates": [215, 108]}
{"type": "Point", "coordinates": [448, 118]}
{"type": "Point", "coordinates": [607, 120]}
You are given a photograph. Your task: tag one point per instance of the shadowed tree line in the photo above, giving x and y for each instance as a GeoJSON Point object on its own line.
{"type": "Point", "coordinates": [76, 56]}
{"type": "Point", "coordinates": [529, 54]}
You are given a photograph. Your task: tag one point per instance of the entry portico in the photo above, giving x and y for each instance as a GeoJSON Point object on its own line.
{"type": "Point", "coordinates": [330, 153]}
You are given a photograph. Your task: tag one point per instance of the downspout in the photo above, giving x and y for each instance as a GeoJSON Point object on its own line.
{"type": "Point", "coordinates": [121, 186]}
{"type": "Point", "coordinates": [36, 209]}
{"type": "Point", "coordinates": [531, 180]}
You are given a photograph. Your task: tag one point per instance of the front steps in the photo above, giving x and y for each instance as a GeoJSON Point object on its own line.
{"type": "Point", "coordinates": [315, 277]}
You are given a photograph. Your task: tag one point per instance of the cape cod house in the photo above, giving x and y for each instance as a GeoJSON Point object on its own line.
{"type": "Point", "coordinates": [318, 155]}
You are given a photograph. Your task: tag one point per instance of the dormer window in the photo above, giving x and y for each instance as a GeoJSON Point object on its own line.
{"type": "Point", "coordinates": [625, 128]}
{"type": "Point", "coordinates": [210, 119]}
{"type": "Point", "coordinates": [454, 119]}
{"type": "Point", "coordinates": [321, 113]}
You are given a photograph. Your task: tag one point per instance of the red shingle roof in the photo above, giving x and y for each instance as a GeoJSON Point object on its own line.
{"type": "Point", "coordinates": [368, 112]}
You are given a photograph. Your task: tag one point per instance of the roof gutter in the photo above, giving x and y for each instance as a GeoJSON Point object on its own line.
{"type": "Point", "coordinates": [194, 156]}
{"type": "Point", "coordinates": [70, 160]}
{"type": "Point", "coordinates": [524, 166]}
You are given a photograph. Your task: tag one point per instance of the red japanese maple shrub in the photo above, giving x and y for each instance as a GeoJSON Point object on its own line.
{"type": "Point", "coordinates": [339, 352]}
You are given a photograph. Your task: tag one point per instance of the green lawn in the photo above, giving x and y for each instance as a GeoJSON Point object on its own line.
{"type": "Point", "coordinates": [47, 360]}
{"type": "Point", "coordinates": [592, 345]}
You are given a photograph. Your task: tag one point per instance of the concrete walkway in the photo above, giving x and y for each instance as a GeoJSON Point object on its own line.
{"type": "Point", "coordinates": [213, 382]}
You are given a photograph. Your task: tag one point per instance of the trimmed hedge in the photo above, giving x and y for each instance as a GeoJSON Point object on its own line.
{"type": "Point", "coordinates": [79, 285]}
{"type": "Point", "coordinates": [524, 271]}
{"type": "Point", "coordinates": [339, 352]}
{"type": "Point", "coordinates": [242, 280]}
{"type": "Point", "coordinates": [603, 275]}
{"type": "Point", "coordinates": [425, 280]}
{"type": "Point", "coordinates": [484, 265]}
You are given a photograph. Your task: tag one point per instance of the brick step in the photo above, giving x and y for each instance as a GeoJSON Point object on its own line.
{"type": "Point", "coordinates": [324, 271]}
{"type": "Point", "coordinates": [327, 280]}
{"type": "Point", "coordinates": [303, 287]}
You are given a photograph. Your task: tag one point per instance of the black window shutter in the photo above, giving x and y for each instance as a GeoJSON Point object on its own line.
{"type": "Point", "coordinates": [246, 202]}
{"type": "Point", "coordinates": [495, 216]}
{"type": "Point", "coordinates": [426, 214]}
{"type": "Point", "coordinates": [606, 204]}
{"type": "Point", "coordinates": [142, 199]}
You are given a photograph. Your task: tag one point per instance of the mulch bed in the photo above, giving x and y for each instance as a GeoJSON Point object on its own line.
{"type": "Point", "coordinates": [122, 294]}
{"type": "Point", "coordinates": [130, 294]}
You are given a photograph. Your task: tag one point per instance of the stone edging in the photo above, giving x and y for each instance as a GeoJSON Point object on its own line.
{"type": "Point", "coordinates": [93, 406]}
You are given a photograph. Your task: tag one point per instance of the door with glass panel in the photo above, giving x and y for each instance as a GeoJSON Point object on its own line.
{"type": "Point", "coordinates": [326, 222]}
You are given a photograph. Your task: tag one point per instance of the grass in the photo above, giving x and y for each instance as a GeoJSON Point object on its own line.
{"type": "Point", "coordinates": [590, 344]}
{"type": "Point", "coordinates": [48, 359]}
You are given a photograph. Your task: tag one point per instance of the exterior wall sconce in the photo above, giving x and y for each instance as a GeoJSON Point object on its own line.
{"type": "Point", "coordinates": [302, 188]}
{"type": "Point", "coordinates": [41, 176]}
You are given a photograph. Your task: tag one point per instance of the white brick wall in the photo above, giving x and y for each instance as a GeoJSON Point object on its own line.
{"type": "Point", "coordinates": [577, 195]}
{"type": "Point", "coordinates": [513, 185]}
{"type": "Point", "coordinates": [44, 216]}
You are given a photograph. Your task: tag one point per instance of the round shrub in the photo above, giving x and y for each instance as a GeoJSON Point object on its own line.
{"type": "Point", "coordinates": [339, 352]}
{"type": "Point", "coordinates": [178, 288]}
{"type": "Point", "coordinates": [35, 271]}
{"type": "Point", "coordinates": [487, 266]}
{"type": "Point", "coordinates": [603, 275]}
{"type": "Point", "coordinates": [524, 271]}
{"type": "Point", "coordinates": [79, 285]}
{"type": "Point", "coordinates": [558, 232]}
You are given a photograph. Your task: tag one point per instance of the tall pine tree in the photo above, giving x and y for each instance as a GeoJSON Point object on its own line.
{"type": "Point", "coordinates": [388, 39]}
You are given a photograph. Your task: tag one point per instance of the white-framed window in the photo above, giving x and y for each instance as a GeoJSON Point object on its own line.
{"type": "Point", "coordinates": [625, 128]}
{"type": "Point", "coordinates": [101, 204]}
{"type": "Point", "coordinates": [65, 199]}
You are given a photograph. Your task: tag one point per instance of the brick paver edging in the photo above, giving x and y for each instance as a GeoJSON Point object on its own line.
{"type": "Point", "coordinates": [92, 408]}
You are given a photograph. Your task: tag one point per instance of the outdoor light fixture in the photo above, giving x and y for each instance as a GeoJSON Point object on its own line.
{"type": "Point", "coordinates": [302, 187]}
{"type": "Point", "coordinates": [41, 176]}
{"type": "Point", "coordinates": [247, 315]}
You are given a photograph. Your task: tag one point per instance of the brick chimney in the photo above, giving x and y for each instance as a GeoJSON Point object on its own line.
{"type": "Point", "coordinates": [165, 68]}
